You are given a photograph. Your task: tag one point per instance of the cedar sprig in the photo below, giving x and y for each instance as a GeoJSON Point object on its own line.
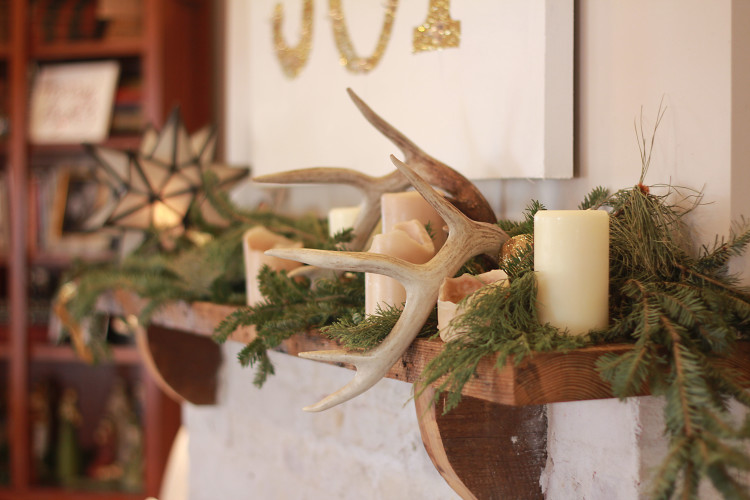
{"type": "Point", "coordinates": [501, 322]}
{"type": "Point", "coordinates": [190, 271]}
{"type": "Point", "coordinates": [716, 259]}
{"type": "Point", "coordinates": [525, 226]}
{"type": "Point", "coordinates": [289, 307]}
{"type": "Point", "coordinates": [360, 332]}
{"type": "Point", "coordinates": [595, 199]}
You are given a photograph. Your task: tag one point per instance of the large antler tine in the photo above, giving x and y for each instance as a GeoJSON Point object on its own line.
{"type": "Point", "coordinates": [349, 261]}
{"type": "Point", "coordinates": [407, 147]}
{"type": "Point", "coordinates": [371, 188]}
{"type": "Point", "coordinates": [318, 175]}
{"type": "Point", "coordinates": [373, 365]}
{"type": "Point", "coordinates": [465, 194]}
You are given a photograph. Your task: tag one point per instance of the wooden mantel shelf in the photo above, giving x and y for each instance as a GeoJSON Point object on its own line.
{"type": "Point", "coordinates": [477, 457]}
{"type": "Point", "coordinates": [539, 379]}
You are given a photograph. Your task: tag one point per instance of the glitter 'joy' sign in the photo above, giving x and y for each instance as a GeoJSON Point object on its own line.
{"type": "Point", "coordinates": [438, 31]}
{"type": "Point", "coordinates": [499, 104]}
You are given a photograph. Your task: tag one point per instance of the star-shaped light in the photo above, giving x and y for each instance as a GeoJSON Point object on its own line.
{"type": "Point", "coordinates": [156, 185]}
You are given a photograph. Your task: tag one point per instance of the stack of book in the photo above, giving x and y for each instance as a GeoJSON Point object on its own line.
{"type": "Point", "coordinates": [123, 17]}
{"type": "Point", "coordinates": [127, 115]}
{"type": "Point", "coordinates": [61, 20]}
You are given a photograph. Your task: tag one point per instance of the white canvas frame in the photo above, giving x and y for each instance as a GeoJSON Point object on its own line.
{"type": "Point", "coordinates": [72, 103]}
{"type": "Point", "coordinates": [499, 106]}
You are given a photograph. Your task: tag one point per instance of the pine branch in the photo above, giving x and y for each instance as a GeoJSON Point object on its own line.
{"type": "Point", "coordinates": [526, 226]}
{"type": "Point", "coordinates": [595, 199]}
{"type": "Point", "coordinates": [363, 332]}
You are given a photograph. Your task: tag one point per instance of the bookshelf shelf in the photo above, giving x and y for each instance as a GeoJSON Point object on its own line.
{"type": "Point", "coordinates": [62, 494]}
{"type": "Point", "coordinates": [55, 260]}
{"type": "Point", "coordinates": [50, 353]}
{"type": "Point", "coordinates": [120, 141]}
{"type": "Point", "coordinates": [95, 49]}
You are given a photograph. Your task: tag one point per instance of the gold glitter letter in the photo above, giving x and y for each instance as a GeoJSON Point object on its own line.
{"type": "Point", "coordinates": [439, 31]}
{"type": "Point", "coordinates": [348, 57]}
{"type": "Point", "coordinates": [293, 59]}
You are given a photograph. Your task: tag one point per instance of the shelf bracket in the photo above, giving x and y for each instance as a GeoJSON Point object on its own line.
{"type": "Point", "coordinates": [184, 366]}
{"type": "Point", "coordinates": [483, 449]}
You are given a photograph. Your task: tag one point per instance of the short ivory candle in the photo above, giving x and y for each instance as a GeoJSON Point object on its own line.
{"type": "Point", "coordinates": [341, 218]}
{"type": "Point", "coordinates": [255, 242]}
{"type": "Point", "coordinates": [571, 262]}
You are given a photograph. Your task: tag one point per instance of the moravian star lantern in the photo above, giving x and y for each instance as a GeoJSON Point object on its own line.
{"type": "Point", "coordinates": [156, 185]}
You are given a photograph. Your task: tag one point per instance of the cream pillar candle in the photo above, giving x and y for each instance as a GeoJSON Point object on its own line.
{"type": "Point", "coordinates": [408, 241]}
{"type": "Point", "coordinates": [400, 207]}
{"type": "Point", "coordinates": [571, 262]}
{"type": "Point", "coordinates": [255, 241]}
{"type": "Point", "coordinates": [341, 218]}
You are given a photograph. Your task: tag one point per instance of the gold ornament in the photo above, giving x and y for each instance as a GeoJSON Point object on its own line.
{"type": "Point", "coordinates": [293, 59]}
{"type": "Point", "coordinates": [348, 57]}
{"type": "Point", "coordinates": [438, 31]}
{"type": "Point", "coordinates": [515, 245]}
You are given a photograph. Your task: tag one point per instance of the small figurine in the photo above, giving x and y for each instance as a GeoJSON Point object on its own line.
{"type": "Point", "coordinates": [40, 423]}
{"type": "Point", "coordinates": [104, 466]}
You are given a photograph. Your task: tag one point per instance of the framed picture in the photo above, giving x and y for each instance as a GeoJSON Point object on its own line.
{"type": "Point", "coordinates": [79, 204]}
{"type": "Point", "coordinates": [496, 101]}
{"type": "Point", "coordinates": [72, 102]}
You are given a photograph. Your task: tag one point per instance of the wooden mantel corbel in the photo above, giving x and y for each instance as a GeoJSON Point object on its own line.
{"type": "Point", "coordinates": [493, 445]}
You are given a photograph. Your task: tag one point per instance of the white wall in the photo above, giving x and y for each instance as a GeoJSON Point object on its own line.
{"type": "Point", "coordinates": [630, 55]}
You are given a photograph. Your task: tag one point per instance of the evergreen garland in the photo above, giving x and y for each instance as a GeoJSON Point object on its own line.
{"type": "Point", "coordinates": [291, 307]}
{"type": "Point", "coordinates": [360, 332]}
{"type": "Point", "coordinates": [683, 314]}
{"type": "Point", "coordinates": [209, 267]}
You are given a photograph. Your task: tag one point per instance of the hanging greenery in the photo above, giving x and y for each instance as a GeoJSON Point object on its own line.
{"type": "Point", "coordinates": [202, 263]}
{"type": "Point", "coordinates": [683, 313]}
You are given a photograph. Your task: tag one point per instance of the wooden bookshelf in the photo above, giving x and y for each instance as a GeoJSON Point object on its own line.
{"type": "Point", "coordinates": [98, 49]}
{"type": "Point", "coordinates": [156, 55]}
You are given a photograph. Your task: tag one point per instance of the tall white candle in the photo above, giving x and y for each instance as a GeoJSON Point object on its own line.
{"type": "Point", "coordinates": [341, 218]}
{"type": "Point", "coordinates": [571, 262]}
{"type": "Point", "coordinates": [255, 241]}
{"type": "Point", "coordinates": [408, 241]}
{"type": "Point", "coordinates": [408, 205]}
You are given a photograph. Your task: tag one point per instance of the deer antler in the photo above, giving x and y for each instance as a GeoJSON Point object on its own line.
{"type": "Point", "coordinates": [466, 239]}
{"type": "Point", "coordinates": [464, 194]}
